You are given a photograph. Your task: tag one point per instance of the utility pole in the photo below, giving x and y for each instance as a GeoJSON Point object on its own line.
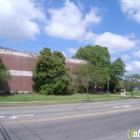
{"type": "Point", "coordinates": [108, 85]}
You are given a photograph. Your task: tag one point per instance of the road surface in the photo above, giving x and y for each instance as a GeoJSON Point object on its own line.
{"type": "Point", "coordinates": [84, 121]}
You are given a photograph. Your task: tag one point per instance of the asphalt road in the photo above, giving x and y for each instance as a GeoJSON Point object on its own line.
{"type": "Point", "coordinates": [85, 121]}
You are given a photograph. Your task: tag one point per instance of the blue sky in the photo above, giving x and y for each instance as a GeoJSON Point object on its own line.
{"type": "Point", "coordinates": [66, 25]}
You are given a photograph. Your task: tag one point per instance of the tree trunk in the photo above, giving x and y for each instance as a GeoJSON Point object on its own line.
{"type": "Point", "coordinates": [132, 93]}
{"type": "Point", "coordinates": [87, 94]}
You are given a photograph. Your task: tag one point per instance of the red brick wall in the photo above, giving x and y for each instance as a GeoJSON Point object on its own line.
{"type": "Point", "coordinates": [15, 62]}
{"type": "Point", "coordinates": [21, 83]}
{"type": "Point", "coordinates": [72, 67]}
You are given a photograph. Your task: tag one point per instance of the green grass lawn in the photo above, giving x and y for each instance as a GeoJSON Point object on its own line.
{"type": "Point", "coordinates": [36, 97]}
{"type": "Point", "coordinates": [23, 99]}
{"type": "Point", "coordinates": [135, 93]}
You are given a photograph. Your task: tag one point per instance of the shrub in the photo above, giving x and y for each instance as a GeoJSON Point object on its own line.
{"type": "Point", "coordinates": [50, 75]}
{"type": "Point", "coordinates": [15, 92]}
{"type": "Point", "coordinates": [7, 93]}
{"type": "Point", "coordinates": [70, 90]}
{"type": "Point", "coordinates": [46, 90]}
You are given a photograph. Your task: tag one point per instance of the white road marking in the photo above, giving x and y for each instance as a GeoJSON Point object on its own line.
{"type": "Point", "coordinates": [2, 117]}
{"type": "Point", "coordinates": [16, 116]}
{"type": "Point", "coordinates": [26, 115]}
{"type": "Point", "coordinates": [125, 106]}
{"type": "Point", "coordinates": [13, 117]}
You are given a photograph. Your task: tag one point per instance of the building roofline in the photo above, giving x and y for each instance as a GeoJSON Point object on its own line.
{"type": "Point", "coordinates": [9, 51]}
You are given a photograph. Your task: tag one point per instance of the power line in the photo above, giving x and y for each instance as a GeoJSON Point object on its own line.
{"type": "Point", "coordinates": [18, 21]}
{"type": "Point", "coordinates": [10, 18]}
{"type": "Point", "coordinates": [22, 39]}
{"type": "Point", "coordinates": [26, 23]}
{"type": "Point", "coordinates": [97, 68]}
{"type": "Point", "coordinates": [85, 65]}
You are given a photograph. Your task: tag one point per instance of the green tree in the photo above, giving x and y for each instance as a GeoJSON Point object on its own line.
{"type": "Point", "coordinates": [116, 74]}
{"type": "Point", "coordinates": [98, 60]}
{"type": "Point", "coordinates": [83, 53]}
{"type": "Point", "coordinates": [50, 75]}
{"type": "Point", "coordinates": [83, 77]}
{"type": "Point", "coordinates": [131, 82]}
{"type": "Point", "coordinates": [4, 73]}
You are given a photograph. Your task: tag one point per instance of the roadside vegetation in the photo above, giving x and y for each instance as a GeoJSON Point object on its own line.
{"type": "Point", "coordinates": [36, 99]}
{"type": "Point", "coordinates": [51, 77]}
{"type": "Point", "coordinates": [33, 99]}
{"type": "Point", "coordinates": [55, 84]}
{"type": "Point", "coordinates": [23, 97]}
{"type": "Point", "coordinates": [135, 93]}
{"type": "Point", "coordinates": [4, 76]}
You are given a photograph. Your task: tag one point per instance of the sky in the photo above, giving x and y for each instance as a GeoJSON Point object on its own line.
{"type": "Point", "coordinates": [67, 25]}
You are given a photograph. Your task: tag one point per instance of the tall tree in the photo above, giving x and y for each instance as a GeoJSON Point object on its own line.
{"type": "Point", "coordinates": [50, 75]}
{"type": "Point", "coordinates": [131, 82]}
{"type": "Point", "coordinates": [116, 73]}
{"type": "Point", "coordinates": [83, 53]}
{"type": "Point", "coordinates": [98, 61]}
{"type": "Point", "coordinates": [100, 68]}
{"type": "Point", "coordinates": [83, 77]}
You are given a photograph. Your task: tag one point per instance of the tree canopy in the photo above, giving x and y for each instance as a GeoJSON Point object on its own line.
{"type": "Point", "coordinates": [131, 82]}
{"type": "Point", "coordinates": [96, 55]}
{"type": "Point", "coordinates": [4, 73]}
{"type": "Point", "coordinates": [100, 67]}
{"type": "Point", "coordinates": [116, 74]}
{"type": "Point", "coordinates": [4, 77]}
{"type": "Point", "coordinates": [50, 75]}
{"type": "Point", "coordinates": [97, 58]}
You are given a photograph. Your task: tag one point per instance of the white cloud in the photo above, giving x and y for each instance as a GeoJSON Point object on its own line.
{"type": "Point", "coordinates": [114, 42]}
{"type": "Point", "coordinates": [125, 57]}
{"type": "Point", "coordinates": [80, 5]}
{"type": "Point", "coordinates": [136, 54]}
{"type": "Point", "coordinates": [131, 8]}
{"type": "Point", "coordinates": [19, 19]}
{"type": "Point", "coordinates": [64, 54]}
{"type": "Point", "coordinates": [133, 66]}
{"type": "Point", "coordinates": [68, 22]}
{"type": "Point", "coordinates": [72, 50]}
{"type": "Point", "coordinates": [90, 37]}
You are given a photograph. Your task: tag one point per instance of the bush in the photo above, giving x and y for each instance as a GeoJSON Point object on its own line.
{"type": "Point", "coordinates": [7, 93]}
{"type": "Point", "coordinates": [70, 91]}
{"type": "Point", "coordinates": [50, 75]}
{"type": "Point", "coordinates": [46, 90]}
{"type": "Point", "coordinates": [15, 92]}
{"type": "Point", "coordinates": [81, 90]}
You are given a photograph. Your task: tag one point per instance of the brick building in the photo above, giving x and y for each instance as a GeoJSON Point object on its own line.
{"type": "Point", "coordinates": [20, 64]}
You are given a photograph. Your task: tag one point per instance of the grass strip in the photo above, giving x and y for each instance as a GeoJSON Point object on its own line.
{"type": "Point", "coordinates": [36, 100]}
